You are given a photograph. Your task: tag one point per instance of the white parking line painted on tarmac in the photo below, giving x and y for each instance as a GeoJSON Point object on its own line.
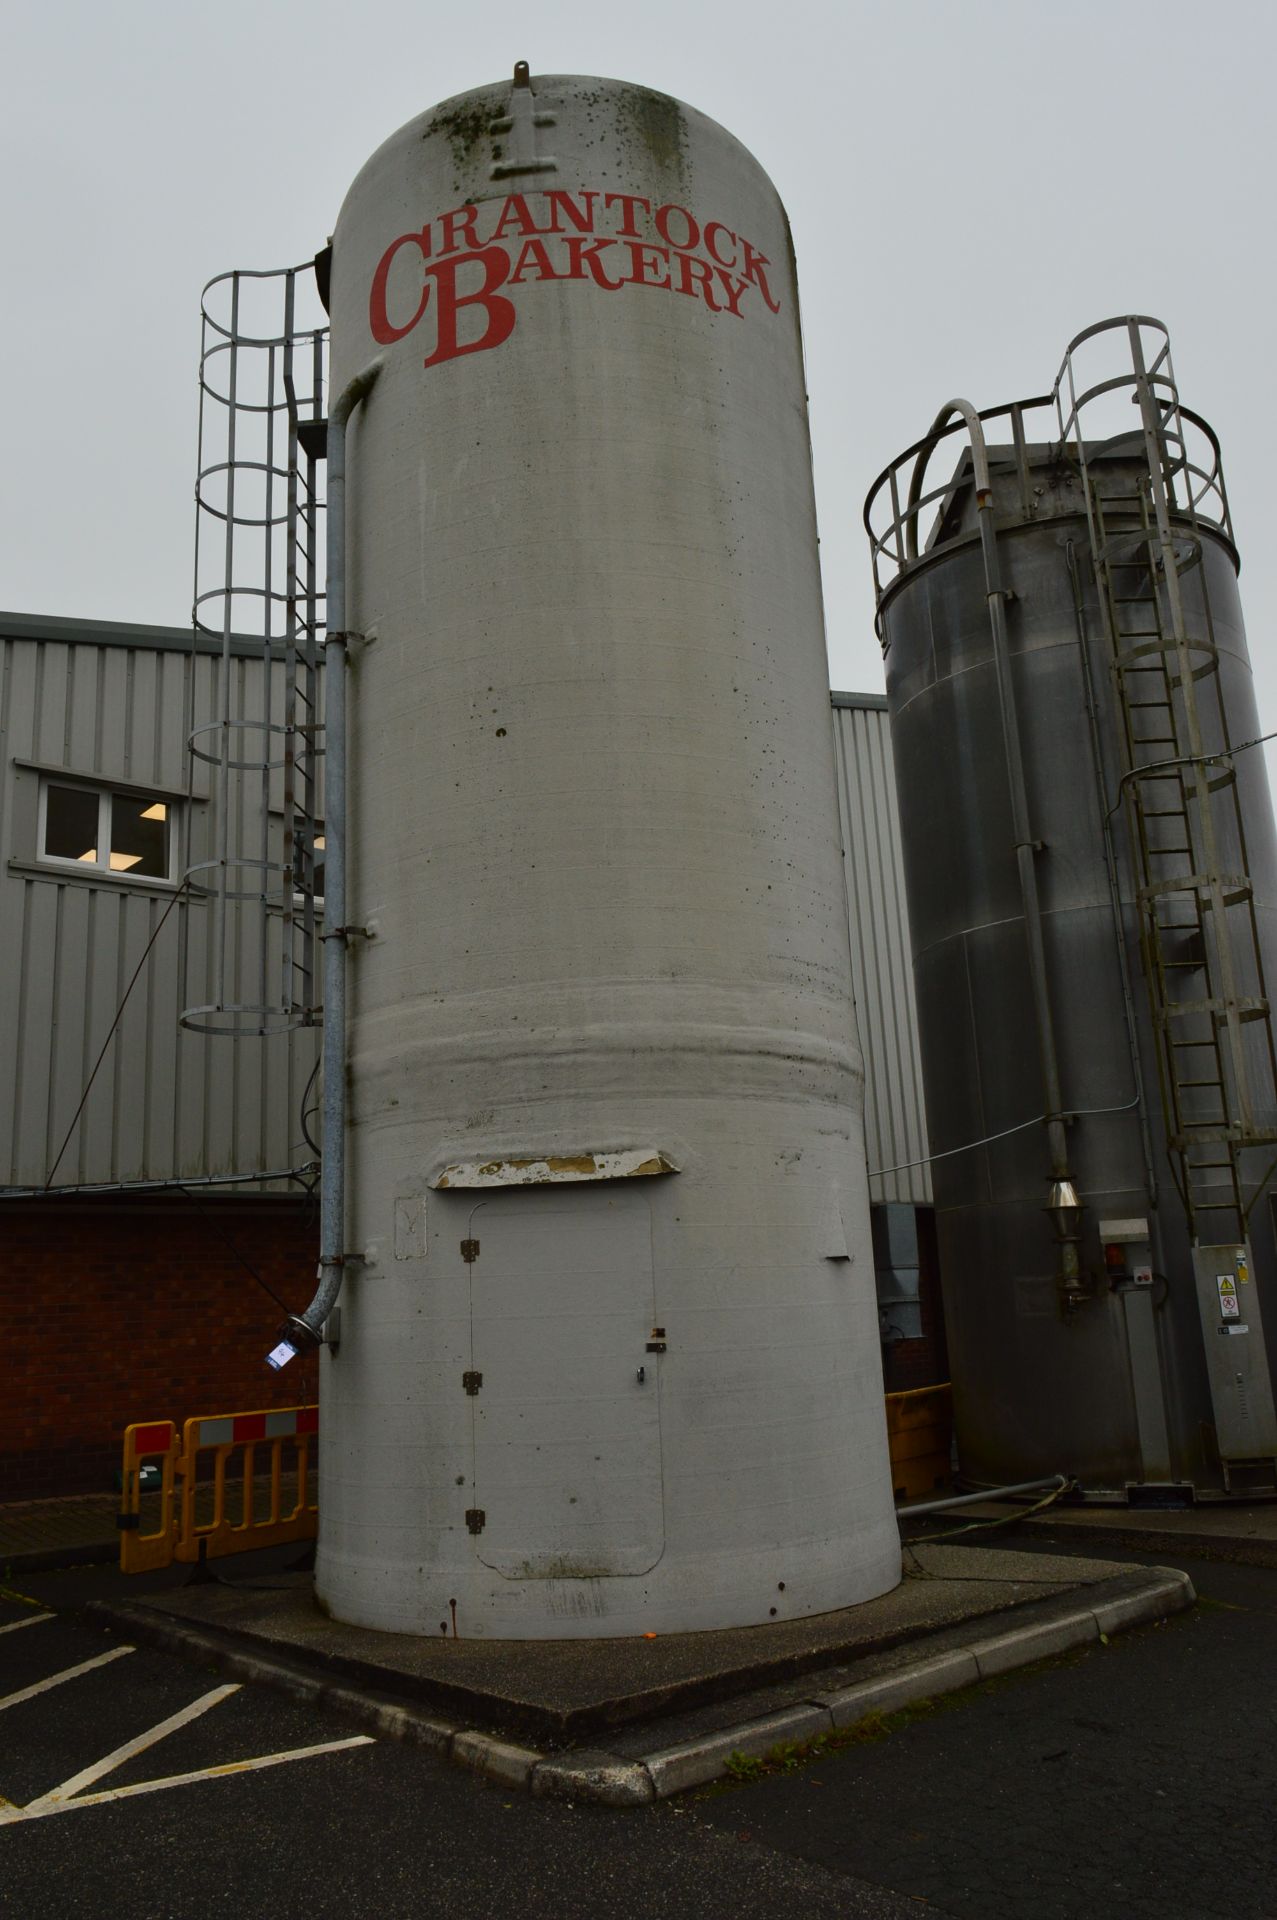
{"type": "Point", "coordinates": [32, 1620]}
{"type": "Point", "coordinates": [57, 1679]}
{"type": "Point", "coordinates": [88, 1775]}
{"type": "Point", "coordinates": [43, 1810]}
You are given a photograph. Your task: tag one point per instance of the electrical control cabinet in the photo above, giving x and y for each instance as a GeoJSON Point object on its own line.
{"type": "Point", "coordinates": [1241, 1390]}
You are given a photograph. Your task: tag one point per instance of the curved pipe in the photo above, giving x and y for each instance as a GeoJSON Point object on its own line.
{"type": "Point", "coordinates": [979, 460]}
{"type": "Point", "coordinates": [307, 1329]}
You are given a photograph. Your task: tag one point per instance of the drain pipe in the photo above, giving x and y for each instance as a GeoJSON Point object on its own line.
{"type": "Point", "coordinates": [1062, 1202]}
{"type": "Point", "coordinates": [306, 1330]}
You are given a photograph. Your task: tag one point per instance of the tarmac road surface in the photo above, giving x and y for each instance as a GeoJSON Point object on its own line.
{"type": "Point", "coordinates": [1134, 1779]}
{"type": "Point", "coordinates": [1130, 1780]}
{"type": "Point", "coordinates": [328, 1822]}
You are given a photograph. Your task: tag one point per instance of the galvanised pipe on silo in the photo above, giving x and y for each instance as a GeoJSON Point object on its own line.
{"type": "Point", "coordinates": [309, 1326]}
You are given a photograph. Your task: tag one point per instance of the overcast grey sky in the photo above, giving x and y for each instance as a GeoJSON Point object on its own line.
{"type": "Point", "coordinates": [970, 182]}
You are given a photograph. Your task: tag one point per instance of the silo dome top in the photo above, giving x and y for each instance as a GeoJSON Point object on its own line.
{"type": "Point", "coordinates": [510, 129]}
{"type": "Point", "coordinates": [560, 179]}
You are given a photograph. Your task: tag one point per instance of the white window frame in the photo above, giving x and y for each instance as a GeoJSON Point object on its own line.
{"type": "Point", "coordinates": [102, 869]}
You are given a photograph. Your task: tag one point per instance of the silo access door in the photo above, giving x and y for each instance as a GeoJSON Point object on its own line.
{"type": "Point", "coordinates": [567, 1428]}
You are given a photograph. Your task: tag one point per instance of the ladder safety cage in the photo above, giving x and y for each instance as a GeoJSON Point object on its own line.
{"type": "Point", "coordinates": [1152, 491]}
{"type": "Point", "coordinates": [256, 723]}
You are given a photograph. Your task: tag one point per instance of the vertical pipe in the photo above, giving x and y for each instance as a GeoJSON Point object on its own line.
{"type": "Point", "coordinates": [1025, 846]}
{"type": "Point", "coordinates": [332, 1193]}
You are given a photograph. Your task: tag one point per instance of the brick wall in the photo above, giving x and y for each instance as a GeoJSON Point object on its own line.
{"type": "Point", "coordinates": [921, 1363]}
{"type": "Point", "coordinates": [127, 1308]}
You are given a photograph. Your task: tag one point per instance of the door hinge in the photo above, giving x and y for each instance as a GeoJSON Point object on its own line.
{"type": "Point", "coordinates": [472, 1382]}
{"type": "Point", "coordinates": [469, 1251]}
{"type": "Point", "coordinates": [476, 1519]}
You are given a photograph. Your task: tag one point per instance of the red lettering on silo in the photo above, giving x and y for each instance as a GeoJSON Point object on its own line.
{"type": "Point", "coordinates": [754, 264]}
{"type": "Point", "coordinates": [582, 217]}
{"type": "Point", "coordinates": [692, 235]}
{"type": "Point", "coordinates": [627, 203]}
{"type": "Point", "coordinates": [384, 330]}
{"type": "Point", "coordinates": [499, 312]}
{"type": "Point", "coordinates": [583, 254]}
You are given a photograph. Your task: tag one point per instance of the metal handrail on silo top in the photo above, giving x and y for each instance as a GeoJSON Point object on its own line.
{"type": "Point", "coordinates": [1155, 378]}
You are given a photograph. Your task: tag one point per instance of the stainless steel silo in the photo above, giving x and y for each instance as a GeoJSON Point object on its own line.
{"type": "Point", "coordinates": [1092, 880]}
{"type": "Point", "coordinates": [608, 1356]}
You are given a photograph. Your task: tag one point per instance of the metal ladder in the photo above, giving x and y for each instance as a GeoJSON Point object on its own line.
{"type": "Point", "coordinates": [259, 579]}
{"type": "Point", "coordinates": [1199, 935]}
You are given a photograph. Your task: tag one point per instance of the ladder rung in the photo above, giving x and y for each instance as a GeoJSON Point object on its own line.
{"type": "Point", "coordinates": [1247, 1009]}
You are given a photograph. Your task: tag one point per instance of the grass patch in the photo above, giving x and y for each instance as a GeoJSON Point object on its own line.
{"type": "Point", "coordinates": [787, 1756]}
{"type": "Point", "coordinates": [790, 1756]}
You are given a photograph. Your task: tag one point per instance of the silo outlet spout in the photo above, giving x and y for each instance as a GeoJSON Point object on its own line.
{"type": "Point", "coordinates": [1065, 1210]}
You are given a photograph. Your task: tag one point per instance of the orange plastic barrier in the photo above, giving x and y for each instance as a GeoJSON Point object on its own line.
{"type": "Point", "coordinates": [227, 1512]}
{"type": "Point", "coordinates": [147, 1441]}
{"type": "Point", "coordinates": [919, 1435]}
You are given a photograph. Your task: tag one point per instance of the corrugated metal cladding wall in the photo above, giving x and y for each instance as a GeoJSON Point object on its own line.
{"type": "Point", "coordinates": [111, 704]}
{"type": "Point", "coordinates": [881, 956]}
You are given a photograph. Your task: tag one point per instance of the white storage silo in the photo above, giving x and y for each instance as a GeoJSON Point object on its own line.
{"type": "Point", "coordinates": [611, 1365]}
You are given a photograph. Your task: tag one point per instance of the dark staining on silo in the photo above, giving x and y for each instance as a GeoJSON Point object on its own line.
{"type": "Point", "coordinates": [658, 123]}
{"type": "Point", "coordinates": [465, 129]}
